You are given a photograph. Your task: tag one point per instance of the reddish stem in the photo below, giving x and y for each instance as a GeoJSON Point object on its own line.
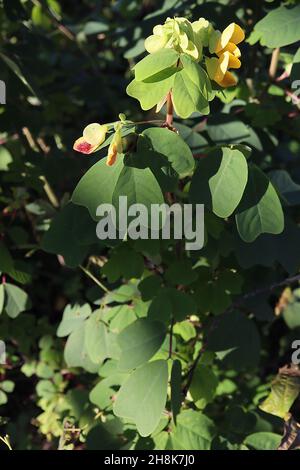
{"type": "Point", "coordinates": [169, 118]}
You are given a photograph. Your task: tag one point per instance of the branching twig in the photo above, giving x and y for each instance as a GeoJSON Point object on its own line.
{"type": "Point", "coordinates": [285, 282]}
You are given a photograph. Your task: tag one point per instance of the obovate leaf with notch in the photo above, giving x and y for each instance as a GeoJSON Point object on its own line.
{"type": "Point", "coordinates": [149, 94]}
{"type": "Point", "coordinates": [260, 210]}
{"type": "Point", "coordinates": [152, 64]}
{"type": "Point", "coordinates": [172, 146]}
{"type": "Point", "coordinates": [142, 397]}
{"type": "Point", "coordinates": [220, 180]}
{"type": "Point", "coordinates": [139, 342]}
{"type": "Point", "coordinates": [103, 185]}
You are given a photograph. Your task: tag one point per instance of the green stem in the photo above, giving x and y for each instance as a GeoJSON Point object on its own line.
{"type": "Point", "coordinates": [91, 276]}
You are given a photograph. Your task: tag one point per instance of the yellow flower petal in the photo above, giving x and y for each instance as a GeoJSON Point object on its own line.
{"type": "Point", "coordinates": [232, 48]}
{"type": "Point", "coordinates": [228, 80]}
{"type": "Point", "coordinates": [234, 62]}
{"type": "Point", "coordinates": [238, 34]}
{"type": "Point", "coordinates": [95, 134]}
{"type": "Point", "coordinates": [112, 154]}
{"type": "Point", "coordinates": [233, 33]}
{"type": "Point", "coordinates": [223, 62]}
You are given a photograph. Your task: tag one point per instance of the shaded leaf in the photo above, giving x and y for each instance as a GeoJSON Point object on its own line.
{"type": "Point", "coordinates": [143, 395]}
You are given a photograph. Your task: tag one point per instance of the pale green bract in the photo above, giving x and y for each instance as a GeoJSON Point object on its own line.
{"type": "Point", "coordinates": [181, 35]}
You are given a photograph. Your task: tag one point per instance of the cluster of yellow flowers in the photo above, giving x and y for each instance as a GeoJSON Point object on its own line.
{"type": "Point", "coordinates": [190, 38]}
{"type": "Point", "coordinates": [224, 45]}
{"type": "Point", "coordinates": [184, 37]}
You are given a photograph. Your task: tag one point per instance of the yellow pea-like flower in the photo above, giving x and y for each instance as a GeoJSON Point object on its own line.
{"type": "Point", "coordinates": [224, 45]}
{"type": "Point", "coordinates": [93, 136]}
{"type": "Point", "coordinates": [232, 34]}
{"type": "Point", "coordinates": [95, 133]}
{"type": "Point", "coordinates": [217, 69]}
{"type": "Point", "coordinates": [232, 48]}
{"type": "Point", "coordinates": [115, 147]}
{"type": "Point", "coordinates": [112, 154]}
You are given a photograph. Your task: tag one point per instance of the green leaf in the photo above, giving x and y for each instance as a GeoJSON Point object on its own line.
{"type": "Point", "coordinates": [124, 262]}
{"type": "Point", "coordinates": [104, 185]}
{"type": "Point", "coordinates": [161, 308]}
{"type": "Point", "coordinates": [176, 392]}
{"type": "Point", "coordinates": [204, 385]}
{"type": "Point", "coordinates": [193, 139]}
{"type": "Point", "coordinates": [238, 421]}
{"type": "Point", "coordinates": [149, 287]}
{"type": "Point", "coordinates": [3, 398]}
{"type": "Point", "coordinates": [181, 272]}
{"type": "Point", "coordinates": [17, 300]}
{"type": "Point", "coordinates": [263, 441]}
{"type": "Point", "coordinates": [95, 27]}
{"type": "Point", "coordinates": [182, 304]}
{"type": "Point", "coordinates": [6, 261]}
{"type": "Point", "coordinates": [123, 316]}
{"type": "Point", "coordinates": [5, 159]}
{"type": "Point", "coordinates": [288, 189]}
{"type": "Point", "coordinates": [143, 395]}
{"type": "Point", "coordinates": [150, 94]}
{"type": "Point", "coordinates": [101, 395]}
{"type": "Point", "coordinates": [140, 187]}
{"type": "Point", "coordinates": [220, 180]}
{"type": "Point", "coordinates": [70, 233]}
{"type": "Point", "coordinates": [97, 186]}
{"type": "Point", "coordinates": [280, 27]}
{"type": "Point", "coordinates": [194, 431]}
{"type": "Point", "coordinates": [185, 329]}
{"type": "Point", "coordinates": [139, 342]}
{"type": "Point", "coordinates": [284, 391]}
{"type": "Point", "coordinates": [105, 436]}
{"type": "Point", "coordinates": [173, 147]}
{"type": "Point", "coordinates": [291, 312]}
{"type": "Point", "coordinates": [124, 293]}
{"type": "Point", "coordinates": [260, 210]}
{"type": "Point", "coordinates": [226, 129]}
{"type": "Point", "coordinates": [75, 353]}
{"type": "Point", "coordinates": [96, 339]}
{"type": "Point", "coordinates": [266, 249]}
{"type": "Point", "coordinates": [187, 96]}
{"type": "Point", "coordinates": [152, 64]}
{"type": "Point", "coordinates": [173, 301]}
{"type": "Point", "coordinates": [198, 76]}
{"type": "Point", "coordinates": [73, 318]}
{"type": "Point", "coordinates": [236, 341]}
{"type": "Point", "coordinates": [7, 386]}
